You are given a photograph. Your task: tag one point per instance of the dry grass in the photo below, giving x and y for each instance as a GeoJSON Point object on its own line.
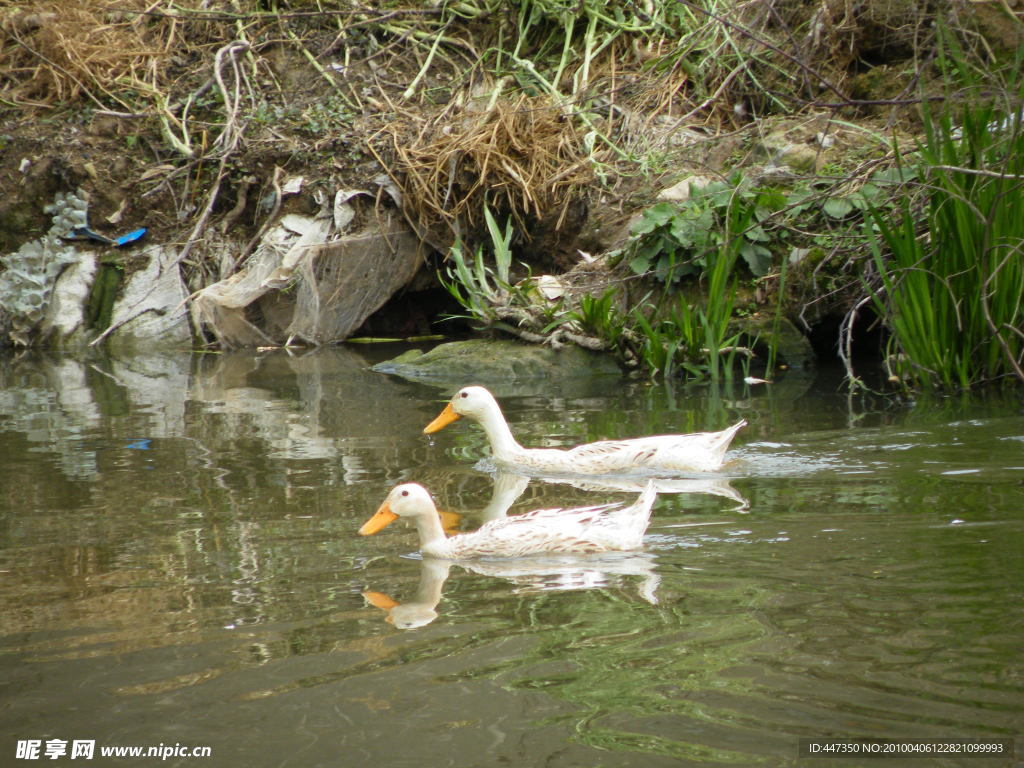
{"type": "Point", "coordinates": [522, 157]}
{"type": "Point", "coordinates": [56, 52]}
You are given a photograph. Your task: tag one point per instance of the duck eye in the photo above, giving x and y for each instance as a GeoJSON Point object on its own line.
{"type": "Point", "coordinates": [463, 394]}
{"type": "Point", "coordinates": [405, 493]}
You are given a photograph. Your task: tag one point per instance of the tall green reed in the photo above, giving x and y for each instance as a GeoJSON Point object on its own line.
{"type": "Point", "coordinates": [952, 269]}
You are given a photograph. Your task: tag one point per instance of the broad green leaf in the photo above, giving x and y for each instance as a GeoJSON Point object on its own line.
{"type": "Point", "coordinates": [640, 265]}
{"type": "Point", "coordinates": [757, 257]}
{"type": "Point", "coordinates": [757, 234]}
{"type": "Point", "coordinates": [837, 207]}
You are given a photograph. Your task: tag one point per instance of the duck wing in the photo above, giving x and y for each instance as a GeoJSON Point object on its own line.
{"type": "Point", "coordinates": [542, 530]}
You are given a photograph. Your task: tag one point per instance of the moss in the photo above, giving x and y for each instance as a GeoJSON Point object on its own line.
{"type": "Point", "coordinates": [102, 297]}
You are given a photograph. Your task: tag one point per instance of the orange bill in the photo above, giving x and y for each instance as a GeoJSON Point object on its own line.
{"type": "Point", "coordinates": [379, 600]}
{"type": "Point", "coordinates": [446, 417]}
{"type": "Point", "coordinates": [450, 521]}
{"type": "Point", "coordinates": [380, 520]}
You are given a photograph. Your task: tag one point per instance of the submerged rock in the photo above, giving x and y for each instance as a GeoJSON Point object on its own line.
{"type": "Point", "coordinates": [488, 361]}
{"type": "Point", "coordinates": [791, 346]}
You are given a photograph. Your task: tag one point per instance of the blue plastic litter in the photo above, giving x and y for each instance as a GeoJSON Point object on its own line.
{"type": "Point", "coordinates": [84, 233]}
{"type": "Point", "coordinates": [131, 237]}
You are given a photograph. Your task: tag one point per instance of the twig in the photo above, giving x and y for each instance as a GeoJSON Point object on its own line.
{"type": "Point", "coordinates": [229, 145]}
{"type": "Point", "coordinates": [276, 183]}
{"type": "Point", "coordinates": [411, 90]}
{"type": "Point", "coordinates": [976, 172]}
{"type": "Point", "coordinates": [241, 199]}
{"type": "Point", "coordinates": [996, 330]}
{"type": "Point", "coordinates": [846, 340]}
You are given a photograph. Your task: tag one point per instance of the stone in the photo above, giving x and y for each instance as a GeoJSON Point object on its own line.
{"type": "Point", "coordinates": [151, 309]}
{"type": "Point", "coordinates": [791, 346]}
{"type": "Point", "coordinates": [681, 191]}
{"type": "Point", "coordinates": [485, 361]}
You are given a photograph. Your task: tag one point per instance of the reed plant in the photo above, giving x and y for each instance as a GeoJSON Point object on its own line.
{"type": "Point", "coordinates": [721, 291]}
{"type": "Point", "coordinates": [951, 268]}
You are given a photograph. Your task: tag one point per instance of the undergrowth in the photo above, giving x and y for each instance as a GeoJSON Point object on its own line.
{"type": "Point", "coordinates": [950, 263]}
{"type": "Point", "coordinates": [524, 112]}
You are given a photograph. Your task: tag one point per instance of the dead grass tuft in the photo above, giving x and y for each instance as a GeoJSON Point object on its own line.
{"type": "Point", "coordinates": [56, 52]}
{"type": "Point", "coordinates": [522, 157]}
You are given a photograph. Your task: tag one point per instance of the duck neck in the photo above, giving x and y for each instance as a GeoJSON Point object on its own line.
{"type": "Point", "coordinates": [432, 536]}
{"type": "Point", "coordinates": [503, 444]}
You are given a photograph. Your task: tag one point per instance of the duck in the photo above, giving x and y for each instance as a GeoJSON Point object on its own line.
{"type": "Point", "coordinates": [599, 528]}
{"type": "Point", "coordinates": [697, 452]}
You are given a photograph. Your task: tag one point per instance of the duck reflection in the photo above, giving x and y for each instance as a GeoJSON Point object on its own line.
{"type": "Point", "coordinates": [419, 611]}
{"type": "Point", "coordinates": [508, 487]}
{"type": "Point", "coordinates": [712, 486]}
{"type": "Point", "coordinates": [538, 573]}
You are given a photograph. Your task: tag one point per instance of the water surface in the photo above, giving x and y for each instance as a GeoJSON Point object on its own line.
{"type": "Point", "coordinates": [179, 566]}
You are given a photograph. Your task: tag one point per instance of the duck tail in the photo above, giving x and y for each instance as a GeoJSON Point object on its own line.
{"type": "Point", "coordinates": [642, 512]}
{"type": "Point", "coordinates": [729, 433]}
{"type": "Point", "coordinates": [631, 521]}
{"type": "Point", "coordinates": [645, 501]}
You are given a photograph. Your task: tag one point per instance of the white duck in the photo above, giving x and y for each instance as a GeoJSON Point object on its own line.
{"type": "Point", "coordinates": [697, 452]}
{"type": "Point", "coordinates": [602, 528]}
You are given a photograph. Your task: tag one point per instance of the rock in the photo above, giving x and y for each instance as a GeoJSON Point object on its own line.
{"type": "Point", "coordinates": [487, 362]}
{"type": "Point", "coordinates": [792, 347]}
{"type": "Point", "coordinates": [151, 310]}
{"type": "Point", "coordinates": [64, 323]}
{"type": "Point", "coordinates": [681, 191]}
{"type": "Point", "coordinates": [782, 151]}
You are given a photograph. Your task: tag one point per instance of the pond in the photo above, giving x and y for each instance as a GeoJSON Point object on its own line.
{"type": "Point", "coordinates": [179, 569]}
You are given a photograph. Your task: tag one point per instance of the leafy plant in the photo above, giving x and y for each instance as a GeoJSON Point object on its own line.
{"type": "Point", "coordinates": [951, 264]}
{"type": "Point", "coordinates": [721, 293]}
{"type": "Point", "coordinates": [674, 240]}
{"type": "Point", "coordinates": [474, 284]}
{"type": "Point", "coordinates": [599, 317]}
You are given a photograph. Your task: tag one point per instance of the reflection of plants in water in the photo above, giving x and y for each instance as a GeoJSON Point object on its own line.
{"type": "Point", "coordinates": [623, 658]}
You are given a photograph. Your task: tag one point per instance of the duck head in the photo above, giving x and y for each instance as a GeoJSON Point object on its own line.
{"type": "Point", "coordinates": [406, 500]}
{"type": "Point", "coordinates": [474, 402]}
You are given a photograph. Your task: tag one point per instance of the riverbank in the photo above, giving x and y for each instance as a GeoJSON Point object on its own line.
{"type": "Point", "coordinates": [681, 185]}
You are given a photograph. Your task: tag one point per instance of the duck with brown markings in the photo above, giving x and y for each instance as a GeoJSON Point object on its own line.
{"type": "Point", "coordinates": [601, 528]}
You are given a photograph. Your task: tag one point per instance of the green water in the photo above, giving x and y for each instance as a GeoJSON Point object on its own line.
{"type": "Point", "coordinates": [179, 567]}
